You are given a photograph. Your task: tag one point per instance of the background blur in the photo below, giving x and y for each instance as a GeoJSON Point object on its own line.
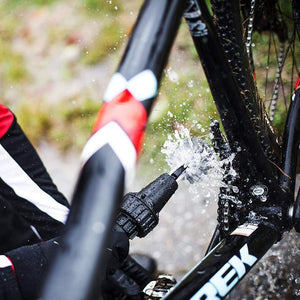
{"type": "Point", "coordinates": [56, 58]}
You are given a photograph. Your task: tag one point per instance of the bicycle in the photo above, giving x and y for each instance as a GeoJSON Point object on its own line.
{"type": "Point", "coordinates": [264, 207]}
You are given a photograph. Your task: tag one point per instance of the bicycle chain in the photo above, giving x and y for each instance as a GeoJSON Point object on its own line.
{"type": "Point", "coordinates": [227, 203]}
{"type": "Point", "coordinates": [250, 27]}
{"type": "Point", "coordinates": [276, 85]}
{"type": "Point", "coordinates": [226, 208]}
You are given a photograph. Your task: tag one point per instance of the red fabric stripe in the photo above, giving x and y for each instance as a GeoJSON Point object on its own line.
{"type": "Point", "coordinates": [298, 82]}
{"type": "Point", "coordinates": [6, 119]}
{"type": "Point", "coordinates": [129, 113]}
{"type": "Point", "coordinates": [12, 265]}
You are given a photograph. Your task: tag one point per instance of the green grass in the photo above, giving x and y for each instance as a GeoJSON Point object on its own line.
{"type": "Point", "coordinates": [107, 41]}
{"type": "Point", "coordinates": [11, 63]}
{"type": "Point", "coordinates": [110, 36]}
{"type": "Point", "coordinates": [12, 68]}
{"type": "Point", "coordinates": [111, 7]}
{"type": "Point", "coordinates": [13, 4]}
{"type": "Point", "coordinates": [67, 125]}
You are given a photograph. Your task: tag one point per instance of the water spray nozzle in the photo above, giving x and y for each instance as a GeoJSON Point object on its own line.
{"type": "Point", "coordinates": [179, 171]}
{"type": "Point", "coordinates": [139, 212]}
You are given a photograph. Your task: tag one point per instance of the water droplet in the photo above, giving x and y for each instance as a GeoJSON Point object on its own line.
{"type": "Point", "coordinates": [191, 83]}
{"type": "Point", "coordinates": [170, 114]}
{"type": "Point", "coordinates": [235, 189]}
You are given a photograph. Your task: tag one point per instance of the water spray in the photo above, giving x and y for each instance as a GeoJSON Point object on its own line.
{"type": "Point", "coordinates": [179, 171]}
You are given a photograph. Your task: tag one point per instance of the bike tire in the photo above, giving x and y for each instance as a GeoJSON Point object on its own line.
{"type": "Point", "coordinates": [231, 30]}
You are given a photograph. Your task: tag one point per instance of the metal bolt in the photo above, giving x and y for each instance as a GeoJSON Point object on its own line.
{"type": "Point", "coordinates": [260, 191]}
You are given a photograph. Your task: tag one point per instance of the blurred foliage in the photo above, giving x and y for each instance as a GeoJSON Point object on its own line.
{"type": "Point", "coordinates": [106, 42]}
{"type": "Point", "coordinates": [25, 3]}
{"type": "Point", "coordinates": [77, 118]}
{"type": "Point", "coordinates": [11, 64]}
{"type": "Point", "coordinates": [68, 125]}
{"type": "Point", "coordinates": [110, 37]}
{"type": "Point", "coordinates": [111, 7]}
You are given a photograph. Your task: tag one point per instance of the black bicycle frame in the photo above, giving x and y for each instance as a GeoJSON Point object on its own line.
{"type": "Point", "coordinates": [220, 270]}
{"type": "Point", "coordinates": [225, 265]}
{"type": "Point", "coordinates": [75, 273]}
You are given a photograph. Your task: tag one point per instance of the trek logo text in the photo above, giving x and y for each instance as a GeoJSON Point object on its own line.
{"type": "Point", "coordinates": [227, 277]}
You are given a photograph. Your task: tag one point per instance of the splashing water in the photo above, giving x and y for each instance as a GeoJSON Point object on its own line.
{"type": "Point", "coordinates": [277, 273]}
{"type": "Point", "coordinates": [276, 276]}
{"type": "Point", "coordinates": [204, 167]}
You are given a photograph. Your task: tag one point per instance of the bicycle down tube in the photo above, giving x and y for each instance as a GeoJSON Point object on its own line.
{"type": "Point", "coordinates": [110, 154]}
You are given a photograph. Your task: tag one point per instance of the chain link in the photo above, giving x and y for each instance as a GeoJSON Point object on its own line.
{"type": "Point", "coordinates": [250, 27]}
{"type": "Point", "coordinates": [277, 79]}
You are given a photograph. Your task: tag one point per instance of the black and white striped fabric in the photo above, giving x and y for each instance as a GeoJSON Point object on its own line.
{"type": "Point", "coordinates": [30, 203]}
